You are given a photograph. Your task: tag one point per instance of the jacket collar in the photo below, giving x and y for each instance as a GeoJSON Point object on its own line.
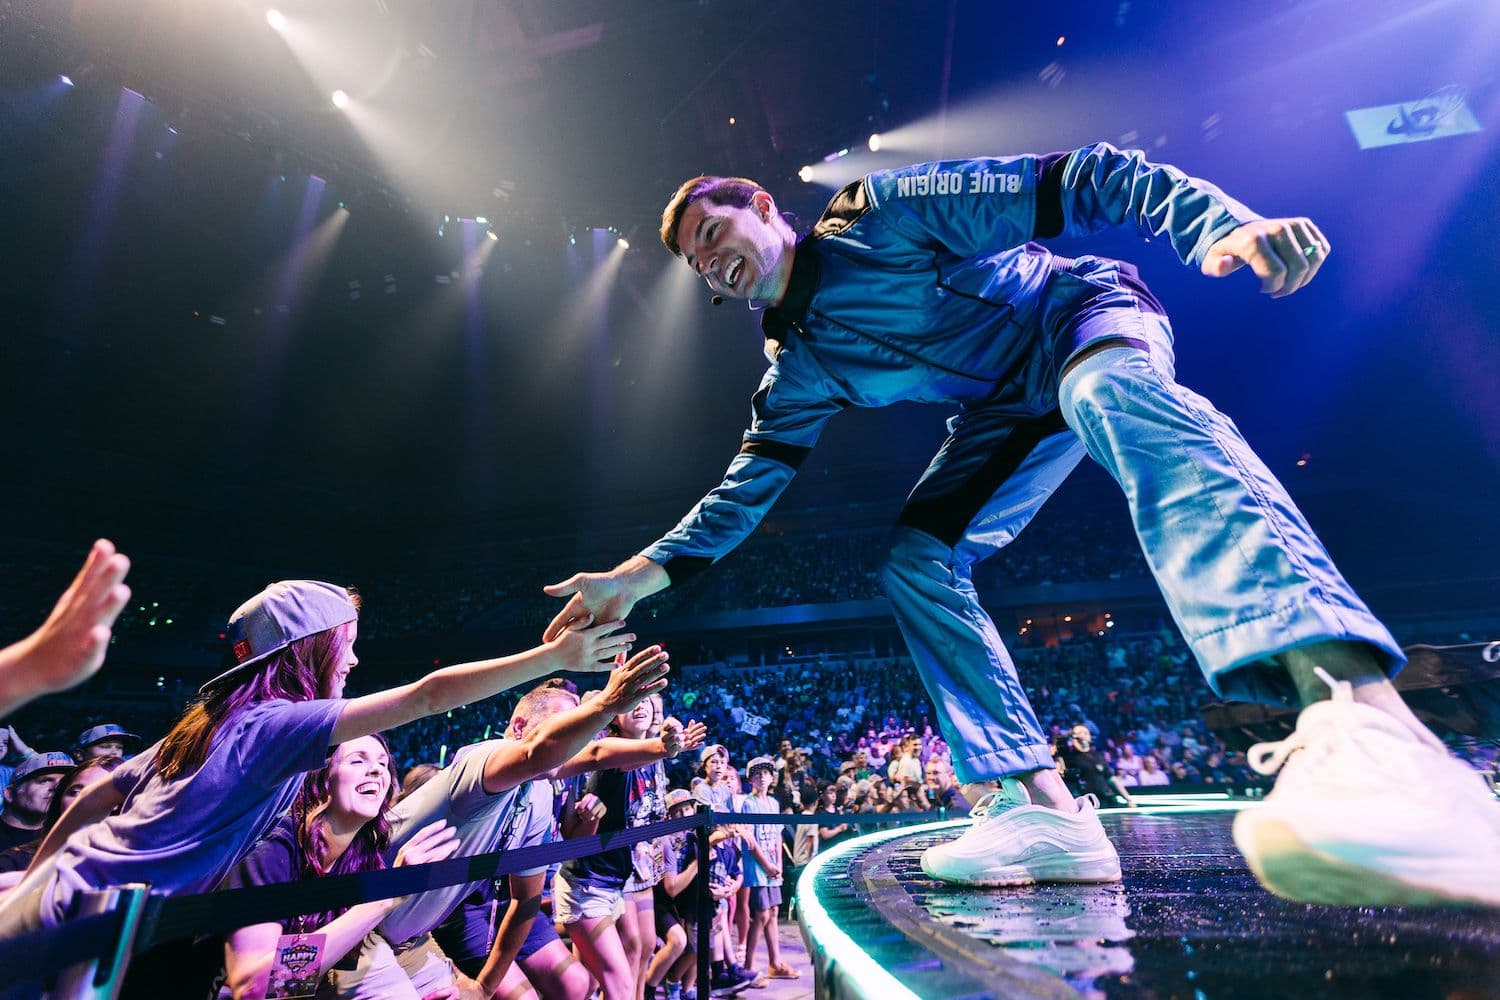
{"type": "Point", "coordinates": [799, 293]}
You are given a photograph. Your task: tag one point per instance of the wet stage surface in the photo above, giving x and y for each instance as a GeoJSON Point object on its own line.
{"type": "Point", "coordinates": [1188, 921]}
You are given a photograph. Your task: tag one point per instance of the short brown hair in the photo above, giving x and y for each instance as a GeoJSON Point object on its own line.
{"type": "Point", "coordinates": [733, 191]}
{"type": "Point", "coordinates": [542, 701]}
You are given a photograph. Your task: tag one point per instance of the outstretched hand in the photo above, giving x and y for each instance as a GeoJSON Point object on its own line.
{"type": "Point", "coordinates": [632, 682]}
{"type": "Point", "coordinates": [437, 841]}
{"type": "Point", "coordinates": [70, 645]}
{"type": "Point", "coordinates": [1284, 253]}
{"type": "Point", "coordinates": [591, 647]}
{"type": "Point", "coordinates": [679, 739]}
{"type": "Point", "coordinates": [604, 596]}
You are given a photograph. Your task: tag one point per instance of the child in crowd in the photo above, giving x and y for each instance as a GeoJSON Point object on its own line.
{"type": "Point", "coordinates": [675, 908]}
{"type": "Point", "coordinates": [196, 802]}
{"type": "Point", "coordinates": [763, 863]}
{"type": "Point", "coordinates": [725, 879]}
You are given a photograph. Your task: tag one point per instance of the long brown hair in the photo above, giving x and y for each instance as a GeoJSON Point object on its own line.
{"type": "Point", "coordinates": [296, 673]}
{"type": "Point", "coordinates": [365, 852]}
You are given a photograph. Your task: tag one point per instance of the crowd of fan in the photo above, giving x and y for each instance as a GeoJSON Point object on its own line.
{"type": "Point", "coordinates": [306, 784]}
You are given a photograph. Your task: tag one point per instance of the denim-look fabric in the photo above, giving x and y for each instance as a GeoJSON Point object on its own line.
{"type": "Point", "coordinates": [1242, 573]}
{"type": "Point", "coordinates": [920, 284]}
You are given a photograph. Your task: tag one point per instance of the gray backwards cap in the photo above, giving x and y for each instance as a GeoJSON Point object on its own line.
{"type": "Point", "coordinates": [280, 615]}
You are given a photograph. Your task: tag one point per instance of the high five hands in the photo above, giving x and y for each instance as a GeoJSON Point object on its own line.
{"type": "Point", "coordinates": [1283, 253]}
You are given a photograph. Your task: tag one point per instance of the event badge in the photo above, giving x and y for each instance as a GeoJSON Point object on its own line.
{"type": "Point", "coordinates": [297, 967]}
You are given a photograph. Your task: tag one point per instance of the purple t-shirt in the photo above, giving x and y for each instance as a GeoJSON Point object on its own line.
{"type": "Point", "coordinates": [186, 834]}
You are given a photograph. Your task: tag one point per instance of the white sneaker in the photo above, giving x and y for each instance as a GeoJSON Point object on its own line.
{"type": "Point", "coordinates": [1365, 814]}
{"type": "Point", "coordinates": [1013, 842]}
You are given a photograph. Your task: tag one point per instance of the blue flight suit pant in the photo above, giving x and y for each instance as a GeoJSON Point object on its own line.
{"type": "Point", "coordinates": [1244, 576]}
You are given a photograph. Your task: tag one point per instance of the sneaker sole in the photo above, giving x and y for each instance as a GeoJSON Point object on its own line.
{"type": "Point", "coordinates": [1290, 868]}
{"type": "Point", "coordinates": [1096, 870]}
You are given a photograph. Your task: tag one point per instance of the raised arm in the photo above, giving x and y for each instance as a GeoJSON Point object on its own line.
{"type": "Point", "coordinates": [986, 205]}
{"type": "Point", "coordinates": [561, 736]}
{"type": "Point", "coordinates": [619, 753]}
{"type": "Point", "coordinates": [1102, 187]}
{"type": "Point", "coordinates": [69, 647]}
{"type": "Point", "coordinates": [788, 412]}
{"type": "Point", "coordinates": [583, 648]}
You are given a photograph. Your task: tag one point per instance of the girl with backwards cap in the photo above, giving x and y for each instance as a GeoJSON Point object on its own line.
{"type": "Point", "coordinates": [194, 803]}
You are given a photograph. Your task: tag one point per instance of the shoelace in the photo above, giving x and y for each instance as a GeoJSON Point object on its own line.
{"type": "Point", "coordinates": [991, 803]}
{"type": "Point", "coordinates": [1330, 731]}
{"type": "Point", "coordinates": [981, 809]}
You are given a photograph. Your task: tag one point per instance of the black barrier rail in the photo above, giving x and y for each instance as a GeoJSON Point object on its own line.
{"type": "Point", "coordinates": [230, 909]}
{"type": "Point", "coordinates": [44, 953]}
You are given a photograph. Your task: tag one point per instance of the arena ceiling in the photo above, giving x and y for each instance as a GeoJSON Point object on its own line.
{"type": "Point", "coordinates": [204, 345]}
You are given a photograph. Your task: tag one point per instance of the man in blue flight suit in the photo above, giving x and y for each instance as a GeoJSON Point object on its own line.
{"type": "Point", "coordinates": [922, 283]}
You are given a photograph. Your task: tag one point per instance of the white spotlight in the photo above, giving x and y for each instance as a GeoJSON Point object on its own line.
{"type": "Point", "coordinates": [622, 243]}
{"type": "Point", "coordinates": [340, 99]}
{"type": "Point", "coordinates": [491, 235]}
{"type": "Point", "coordinates": [806, 175]}
{"type": "Point", "coordinates": [65, 80]}
{"type": "Point", "coordinates": [276, 19]}
{"type": "Point", "coordinates": [875, 142]}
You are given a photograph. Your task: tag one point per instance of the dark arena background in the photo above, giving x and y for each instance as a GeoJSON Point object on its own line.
{"type": "Point", "coordinates": [371, 291]}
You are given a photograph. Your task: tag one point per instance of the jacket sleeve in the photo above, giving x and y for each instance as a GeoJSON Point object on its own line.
{"type": "Point", "coordinates": [1100, 187]}
{"type": "Point", "coordinates": [970, 207]}
{"type": "Point", "coordinates": [788, 413]}
{"type": "Point", "coordinates": [983, 206]}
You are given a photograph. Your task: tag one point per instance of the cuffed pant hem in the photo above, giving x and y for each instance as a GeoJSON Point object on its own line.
{"type": "Point", "coordinates": [1237, 659]}
{"type": "Point", "coordinates": [1005, 763]}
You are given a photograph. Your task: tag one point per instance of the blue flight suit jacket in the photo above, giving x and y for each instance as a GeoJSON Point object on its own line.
{"type": "Point", "coordinates": [922, 284]}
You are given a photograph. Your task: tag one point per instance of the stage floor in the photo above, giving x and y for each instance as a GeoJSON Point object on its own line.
{"type": "Point", "coordinates": [1188, 921]}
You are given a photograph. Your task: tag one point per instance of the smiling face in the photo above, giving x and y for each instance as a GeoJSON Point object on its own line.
{"type": "Point", "coordinates": [359, 780]}
{"type": "Point", "coordinates": [740, 252]}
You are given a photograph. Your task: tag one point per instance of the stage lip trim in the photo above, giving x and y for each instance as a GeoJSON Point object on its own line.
{"type": "Point", "coordinates": [832, 949]}
{"type": "Point", "coordinates": [858, 975]}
